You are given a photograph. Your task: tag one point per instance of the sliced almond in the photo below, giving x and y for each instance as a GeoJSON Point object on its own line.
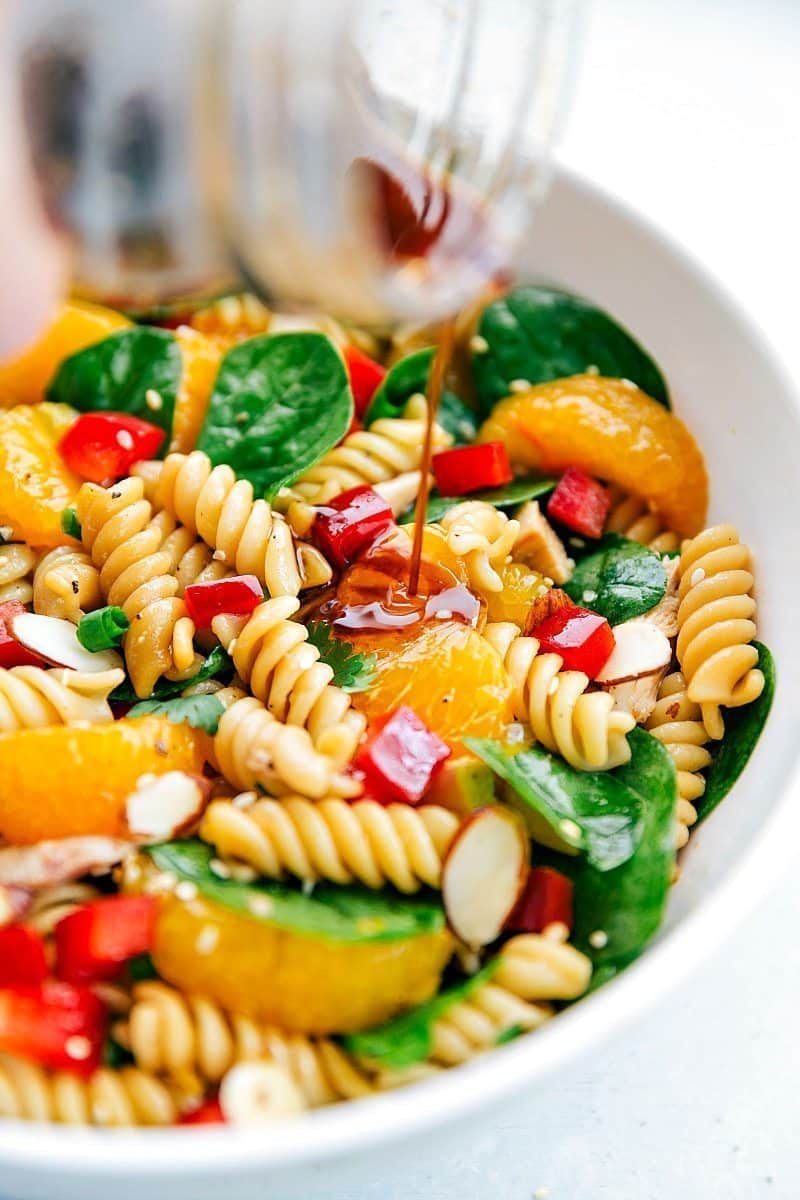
{"type": "Point", "coordinates": [56, 641]}
{"type": "Point", "coordinates": [255, 1093]}
{"type": "Point", "coordinates": [165, 806]}
{"type": "Point", "coordinates": [483, 874]}
{"type": "Point", "coordinates": [640, 649]}
{"type": "Point", "coordinates": [553, 600]}
{"type": "Point", "coordinates": [52, 863]}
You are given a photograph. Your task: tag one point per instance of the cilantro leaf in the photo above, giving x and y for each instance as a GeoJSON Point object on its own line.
{"type": "Point", "coordinates": [352, 671]}
{"type": "Point", "coordinates": [201, 712]}
{"type": "Point", "coordinates": [218, 663]}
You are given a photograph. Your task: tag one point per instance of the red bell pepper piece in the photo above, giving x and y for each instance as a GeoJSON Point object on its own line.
{"type": "Point", "coordinates": [12, 652]}
{"type": "Point", "coordinates": [583, 639]}
{"type": "Point", "coordinates": [351, 522]}
{"type": "Point", "coordinates": [95, 941]}
{"type": "Point", "coordinates": [209, 1113]}
{"type": "Point", "coordinates": [22, 958]}
{"type": "Point", "coordinates": [580, 503]}
{"type": "Point", "coordinates": [366, 376]}
{"type": "Point", "coordinates": [470, 468]}
{"type": "Point", "coordinates": [103, 446]}
{"type": "Point", "coordinates": [238, 595]}
{"type": "Point", "coordinates": [546, 899]}
{"type": "Point", "coordinates": [55, 1024]}
{"type": "Point", "coordinates": [400, 758]}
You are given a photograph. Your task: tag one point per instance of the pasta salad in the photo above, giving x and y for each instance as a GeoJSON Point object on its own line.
{"type": "Point", "coordinates": [281, 826]}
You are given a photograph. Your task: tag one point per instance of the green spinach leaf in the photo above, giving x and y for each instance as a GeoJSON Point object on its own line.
{"type": "Point", "coordinates": [408, 1039]}
{"type": "Point", "coordinates": [408, 377]}
{"type": "Point", "coordinates": [620, 580]}
{"type": "Point", "coordinates": [116, 375]}
{"type": "Point", "coordinates": [279, 403]}
{"type": "Point", "coordinates": [537, 334]}
{"type": "Point", "coordinates": [743, 728]}
{"type": "Point", "coordinates": [217, 664]}
{"type": "Point", "coordinates": [507, 496]}
{"type": "Point", "coordinates": [341, 914]}
{"type": "Point", "coordinates": [201, 712]}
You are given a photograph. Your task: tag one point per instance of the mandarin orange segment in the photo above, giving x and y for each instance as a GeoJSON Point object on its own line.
{"type": "Point", "coordinates": [300, 982]}
{"type": "Point", "coordinates": [65, 781]}
{"type": "Point", "coordinates": [23, 380]}
{"type": "Point", "coordinates": [201, 358]}
{"type": "Point", "coordinates": [611, 429]}
{"type": "Point", "coordinates": [446, 672]}
{"type": "Point", "coordinates": [521, 587]}
{"type": "Point", "coordinates": [35, 483]}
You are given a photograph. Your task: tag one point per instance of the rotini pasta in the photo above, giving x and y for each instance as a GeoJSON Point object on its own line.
{"type": "Point", "coordinates": [128, 1096]}
{"type": "Point", "coordinates": [66, 584]}
{"type": "Point", "coordinates": [580, 725]}
{"type": "Point", "coordinates": [677, 722]}
{"type": "Point", "coordinates": [231, 319]}
{"type": "Point", "coordinates": [634, 519]}
{"type": "Point", "coordinates": [334, 840]}
{"type": "Point", "coordinates": [17, 562]}
{"type": "Point", "coordinates": [33, 698]}
{"type": "Point", "coordinates": [483, 537]}
{"type": "Point", "coordinates": [716, 625]}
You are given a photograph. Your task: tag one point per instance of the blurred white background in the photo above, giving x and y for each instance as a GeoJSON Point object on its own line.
{"type": "Point", "coordinates": [690, 109]}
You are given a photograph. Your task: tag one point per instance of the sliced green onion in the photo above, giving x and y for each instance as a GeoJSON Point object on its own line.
{"type": "Point", "coordinates": [103, 629]}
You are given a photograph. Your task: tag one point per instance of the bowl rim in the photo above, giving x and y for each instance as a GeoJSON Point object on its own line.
{"type": "Point", "coordinates": [379, 1120]}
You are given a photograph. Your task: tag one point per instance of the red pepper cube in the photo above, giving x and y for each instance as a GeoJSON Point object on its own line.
{"type": "Point", "coordinates": [350, 523]}
{"type": "Point", "coordinates": [12, 652]}
{"type": "Point", "coordinates": [96, 941]}
{"type": "Point", "coordinates": [583, 639]}
{"type": "Point", "coordinates": [545, 900]}
{"type": "Point", "coordinates": [55, 1024]}
{"type": "Point", "coordinates": [366, 376]}
{"type": "Point", "coordinates": [400, 758]}
{"type": "Point", "coordinates": [103, 446]}
{"type": "Point", "coordinates": [209, 1113]}
{"type": "Point", "coordinates": [22, 958]}
{"type": "Point", "coordinates": [237, 596]}
{"type": "Point", "coordinates": [470, 468]}
{"type": "Point", "coordinates": [580, 503]}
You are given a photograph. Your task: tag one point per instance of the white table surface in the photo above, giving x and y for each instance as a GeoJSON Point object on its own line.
{"type": "Point", "coordinates": [691, 110]}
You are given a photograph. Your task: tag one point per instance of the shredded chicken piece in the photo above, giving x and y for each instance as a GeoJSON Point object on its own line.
{"type": "Point", "coordinates": [50, 863]}
{"type": "Point", "coordinates": [539, 545]}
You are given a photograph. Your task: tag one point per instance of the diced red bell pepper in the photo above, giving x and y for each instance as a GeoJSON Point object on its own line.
{"type": "Point", "coordinates": [583, 639]}
{"type": "Point", "coordinates": [470, 468]}
{"type": "Point", "coordinates": [580, 503]}
{"type": "Point", "coordinates": [238, 596]}
{"type": "Point", "coordinates": [209, 1113]}
{"type": "Point", "coordinates": [12, 652]}
{"type": "Point", "coordinates": [55, 1024]}
{"type": "Point", "coordinates": [349, 523]}
{"type": "Point", "coordinates": [400, 758]}
{"type": "Point", "coordinates": [95, 941]}
{"type": "Point", "coordinates": [22, 958]}
{"type": "Point", "coordinates": [103, 446]}
{"type": "Point", "coordinates": [366, 376]}
{"type": "Point", "coordinates": [546, 899]}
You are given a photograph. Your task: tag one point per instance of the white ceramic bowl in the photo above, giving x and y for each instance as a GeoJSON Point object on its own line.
{"type": "Point", "coordinates": [742, 409]}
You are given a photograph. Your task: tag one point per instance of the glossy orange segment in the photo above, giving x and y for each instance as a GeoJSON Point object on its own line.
{"type": "Point", "coordinates": [35, 483]}
{"type": "Point", "coordinates": [614, 431]}
{"type": "Point", "coordinates": [300, 982]}
{"type": "Point", "coordinates": [201, 358]}
{"type": "Point", "coordinates": [65, 781]}
{"type": "Point", "coordinates": [451, 677]}
{"type": "Point", "coordinates": [521, 587]}
{"type": "Point", "coordinates": [23, 379]}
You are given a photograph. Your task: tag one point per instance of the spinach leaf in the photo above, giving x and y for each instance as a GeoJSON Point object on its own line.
{"type": "Point", "coordinates": [594, 812]}
{"type": "Point", "coordinates": [279, 403]}
{"type": "Point", "coordinates": [537, 334]}
{"type": "Point", "coordinates": [507, 496]}
{"type": "Point", "coordinates": [410, 376]}
{"type": "Point", "coordinates": [408, 1039]}
{"type": "Point", "coordinates": [201, 712]}
{"type": "Point", "coordinates": [742, 730]}
{"type": "Point", "coordinates": [341, 914]}
{"type": "Point", "coordinates": [620, 580]}
{"type": "Point", "coordinates": [218, 663]}
{"type": "Point", "coordinates": [116, 374]}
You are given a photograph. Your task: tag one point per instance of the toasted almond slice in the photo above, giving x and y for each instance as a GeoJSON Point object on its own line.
{"type": "Point", "coordinates": [255, 1093]}
{"type": "Point", "coordinates": [165, 806]}
{"type": "Point", "coordinates": [56, 640]}
{"type": "Point", "coordinates": [483, 874]}
{"type": "Point", "coordinates": [640, 649]}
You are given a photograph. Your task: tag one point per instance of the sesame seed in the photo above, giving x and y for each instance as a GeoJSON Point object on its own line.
{"type": "Point", "coordinates": [260, 906]}
{"type": "Point", "coordinates": [5, 533]}
{"type": "Point", "coordinates": [154, 400]}
{"type": "Point", "coordinates": [124, 439]}
{"type": "Point", "coordinates": [186, 890]}
{"type": "Point", "coordinates": [589, 595]}
{"type": "Point", "coordinates": [598, 939]}
{"type": "Point", "coordinates": [592, 369]}
{"type": "Point", "coordinates": [243, 874]}
{"type": "Point", "coordinates": [556, 931]}
{"type": "Point", "coordinates": [219, 556]}
{"type": "Point", "coordinates": [207, 939]}
{"type": "Point", "coordinates": [577, 542]}
{"type": "Point", "coordinates": [698, 575]}
{"type": "Point", "coordinates": [520, 385]}
{"type": "Point", "coordinates": [78, 1047]}
{"type": "Point", "coordinates": [569, 828]}
{"type": "Point", "coordinates": [219, 868]}
{"type": "Point", "coordinates": [515, 732]}
{"type": "Point", "coordinates": [478, 344]}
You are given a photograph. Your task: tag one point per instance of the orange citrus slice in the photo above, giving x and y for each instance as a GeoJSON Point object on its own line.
{"type": "Point", "coordinates": [35, 483]}
{"type": "Point", "coordinates": [201, 358]}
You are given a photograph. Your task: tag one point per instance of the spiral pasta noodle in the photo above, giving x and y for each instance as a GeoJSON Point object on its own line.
{"type": "Point", "coordinates": [231, 319]}
{"type": "Point", "coordinates": [273, 656]}
{"type": "Point", "coordinates": [244, 533]}
{"type": "Point", "coordinates": [633, 518]}
{"type": "Point", "coordinates": [483, 537]}
{"type": "Point", "coordinates": [716, 625]}
{"type": "Point", "coordinates": [583, 727]}
{"type": "Point", "coordinates": [33, 698]}
{"type": "Point", "coordinates": [678, 724]}
{"type": "Point", "coordinates": [66, 584]}
{"type": "Point", "coordinates": [128, 1096]}
{"type": "Point", "coordinates": [136, 574]}
{"type": "Point", "coordinates": [16, 568]}
{"type": "Point", "coordinates": [194, 1042]}
{"type": "Point", "coordinates": [334, 840]}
